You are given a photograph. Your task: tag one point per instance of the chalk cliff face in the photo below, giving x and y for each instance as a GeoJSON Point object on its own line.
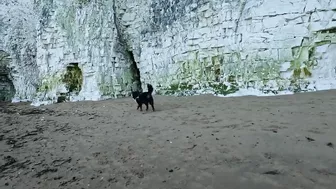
{"type": "Point", "coordinates": [266, 44]}
{"type": "Point", "coordinates": [84, 35]}
{"type": "Point", "coordinates": [18, 69]}
{"type": "Point", "coordinates": [96, 49]}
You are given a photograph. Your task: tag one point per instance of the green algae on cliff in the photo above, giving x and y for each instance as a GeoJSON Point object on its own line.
{"type": "Point", "coordinates": [49, 83]}
{"type": "Point", "coordinates": [261, 72]}
{"type": "Point", "coordinates": [304, 59]}
{"type": "Point", "coordinates": [223, 73]}
{"type": "Point", "coordinates": [72, 78]}
{"type": "Point", "coordinates": [116, 86]}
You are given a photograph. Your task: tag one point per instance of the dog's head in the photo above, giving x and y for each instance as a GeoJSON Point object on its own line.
{"type": "Point", "coordinates": [135, 94]}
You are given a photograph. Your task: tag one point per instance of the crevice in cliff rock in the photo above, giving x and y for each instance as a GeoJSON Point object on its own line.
{"type": "Point", "coordinates": [241, 10]}
{"type": "Point", "coordinates": [134, 71]}
{"type": "Point", "coordinates": [122, 47]}
{"type": "Point", "coordinates": [73, 78]}
{"type": "Point", "coordinates": [7, 89]}
{"type": "Point", "coordinates": [122, 42]}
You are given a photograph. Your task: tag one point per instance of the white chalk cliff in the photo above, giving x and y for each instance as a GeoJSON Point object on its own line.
{"type": "Point", "coordinates": [93, 49]}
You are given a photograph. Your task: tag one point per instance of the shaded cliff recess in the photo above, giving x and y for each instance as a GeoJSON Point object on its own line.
{"type": "Point", "coordinates": [7, 89]}
{"type": "Point", "coordinates": [73, 78]}
{"type": "Point", "coordinates": [135, 71]}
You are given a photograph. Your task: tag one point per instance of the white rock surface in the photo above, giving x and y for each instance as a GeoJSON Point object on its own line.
{"type": "Point", "coordinates": [17, 38]}
{"type": "Point", "coordinates": [177, 45]}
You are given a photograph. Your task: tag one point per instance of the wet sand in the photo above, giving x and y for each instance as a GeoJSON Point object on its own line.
{"type": "Point", "coordinates": [200, 142]}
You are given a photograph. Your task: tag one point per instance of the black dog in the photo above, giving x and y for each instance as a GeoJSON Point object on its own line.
{"type": "Point", "coordinates": [144, 98]}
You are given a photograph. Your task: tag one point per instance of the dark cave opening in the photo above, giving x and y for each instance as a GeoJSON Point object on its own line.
{"type": "Point", "coordinates": [135, 72]}
{"type": "Point", "coordinates": [73, 78]}
{"type": "Point", "coordinates": [7, 89]}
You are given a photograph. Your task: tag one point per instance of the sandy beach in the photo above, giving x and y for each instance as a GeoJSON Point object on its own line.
{"type": "Point", "coordinates": [199, 142]}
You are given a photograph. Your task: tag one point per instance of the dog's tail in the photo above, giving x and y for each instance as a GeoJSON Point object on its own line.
{"type": "Point", "coordinates": [150, 88]}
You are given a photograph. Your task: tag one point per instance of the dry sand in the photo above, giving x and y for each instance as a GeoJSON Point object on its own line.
{"type": "Point", "coordinates": [200, 142]}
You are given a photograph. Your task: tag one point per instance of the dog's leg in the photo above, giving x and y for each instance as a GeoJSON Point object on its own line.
{"type": "Point", "coordinates": [140, 107]}
{"type": "Point", "coordinates": [152, 104]}
{"type": "Point", "coordinates": [146, 106]}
